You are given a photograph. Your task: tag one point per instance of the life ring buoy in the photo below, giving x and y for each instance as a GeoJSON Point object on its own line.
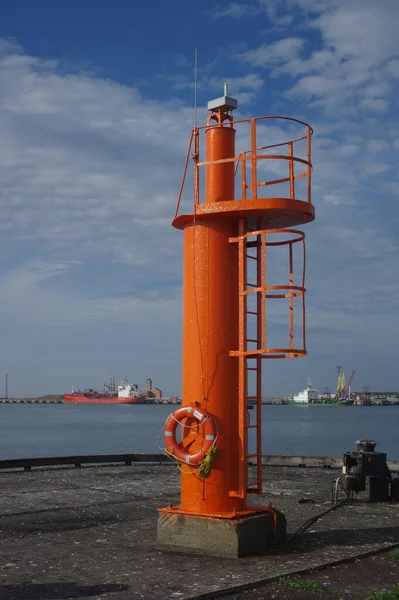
{"type": "Point", "coordinates": [174, 448]}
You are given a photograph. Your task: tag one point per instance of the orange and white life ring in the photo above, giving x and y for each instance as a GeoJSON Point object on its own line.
{"type": "Point", "coordinates": [175, 448]}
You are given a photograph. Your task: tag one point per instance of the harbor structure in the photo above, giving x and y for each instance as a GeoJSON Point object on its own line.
{"type": "Point", "coordinates": [226, 303]}
{"type": "Point", "coordinates": [151, 391]}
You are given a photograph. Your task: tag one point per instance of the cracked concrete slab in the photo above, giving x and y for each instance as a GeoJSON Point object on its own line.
{"type": "Point", "coordinates": [91, 532]}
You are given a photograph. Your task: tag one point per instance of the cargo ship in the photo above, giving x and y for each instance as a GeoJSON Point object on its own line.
{"type": "Point", "coordinates": [127, 393]}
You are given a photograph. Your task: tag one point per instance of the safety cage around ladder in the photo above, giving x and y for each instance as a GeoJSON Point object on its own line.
{"type": "Point", "coordinates": [271, 194]}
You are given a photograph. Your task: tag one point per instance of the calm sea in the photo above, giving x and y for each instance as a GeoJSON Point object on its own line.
{"type": "Point", "coordinates": [28, 430]}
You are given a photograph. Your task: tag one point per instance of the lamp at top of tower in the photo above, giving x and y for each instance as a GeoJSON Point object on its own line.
{"type": "Point", "coordinates": [224, 102]}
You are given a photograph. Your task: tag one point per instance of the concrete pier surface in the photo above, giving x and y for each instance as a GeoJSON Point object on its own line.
{"type": "Point", "coordinates": [91, 532]}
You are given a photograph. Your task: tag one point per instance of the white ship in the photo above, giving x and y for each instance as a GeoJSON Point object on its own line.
{"type": "Point", "coordinates": [128, 390]}
{"type": "Point", "coordinates": [307, 396]}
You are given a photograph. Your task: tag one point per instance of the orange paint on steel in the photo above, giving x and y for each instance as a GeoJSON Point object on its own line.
{"type": "Point", "coordinates": [291, 298]}
{"type": "Point", "coordinates": [210, 314]}
{"type": "Point", "coordinates": [260, 281]}
{"type": "Point", "coordinates": [274, 212]}
{"type": "Point", "coordinates": [219, 177]}
{"type": "Point", "coordinates": [216, 345]}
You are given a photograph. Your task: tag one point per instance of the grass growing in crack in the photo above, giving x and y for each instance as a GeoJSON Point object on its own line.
{"type": "Point", "coordinates": [307, 584]}
{"type": "Point", "coordinates": [395, 554]}
{"type": "Point", "coordinates": [392, 594]}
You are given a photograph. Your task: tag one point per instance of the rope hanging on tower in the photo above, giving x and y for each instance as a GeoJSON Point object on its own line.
{"type": "Point", "coordinates": [205, 467]}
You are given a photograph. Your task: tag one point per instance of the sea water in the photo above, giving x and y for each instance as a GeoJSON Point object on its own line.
{"type": "Point", "coordinates": [33, 430]}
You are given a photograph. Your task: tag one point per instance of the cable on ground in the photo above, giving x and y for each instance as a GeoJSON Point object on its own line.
{"type": "Point", "coordinates": [302, 528]}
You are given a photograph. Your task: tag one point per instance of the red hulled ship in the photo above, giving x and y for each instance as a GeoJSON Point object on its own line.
{"type": "Point", "coordinates": [127, 393]}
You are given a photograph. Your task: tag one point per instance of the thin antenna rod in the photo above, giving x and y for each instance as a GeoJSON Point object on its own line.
{"type": "Point", "coordinates": [195, 86]}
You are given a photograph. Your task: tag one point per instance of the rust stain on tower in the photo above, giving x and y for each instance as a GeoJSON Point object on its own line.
{"type": "Point", "coordinates": [234, 224]}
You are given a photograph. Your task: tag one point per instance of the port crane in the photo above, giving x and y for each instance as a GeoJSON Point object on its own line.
{"type": "Point", "coordinates": [348, 387]}
{"type": "Point", "coordinates": [340, 384]}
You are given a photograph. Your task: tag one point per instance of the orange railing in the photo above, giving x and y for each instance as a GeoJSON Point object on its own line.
{"type": "Point", "coordinates": [247, 162]}
{"type": "Point", "coordinates": [262, 240]}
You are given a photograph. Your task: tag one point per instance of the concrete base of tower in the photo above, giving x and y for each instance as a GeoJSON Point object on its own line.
{"type": "Point", "coordinates": [246, 535]}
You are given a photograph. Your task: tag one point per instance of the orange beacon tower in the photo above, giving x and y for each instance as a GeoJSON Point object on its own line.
{"type": "Point", "coordinates": [235, 225]}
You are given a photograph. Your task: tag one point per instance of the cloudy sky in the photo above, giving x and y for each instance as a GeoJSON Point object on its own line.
{"type": "Point", "coordinates": [95, 115]}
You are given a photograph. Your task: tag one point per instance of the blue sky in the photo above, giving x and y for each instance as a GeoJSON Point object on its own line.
{"type": "Point", "coordinates": [95, 115]}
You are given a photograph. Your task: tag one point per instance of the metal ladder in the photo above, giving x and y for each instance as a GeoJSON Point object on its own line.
{"type": "Point", "coordinates": [250, 353]}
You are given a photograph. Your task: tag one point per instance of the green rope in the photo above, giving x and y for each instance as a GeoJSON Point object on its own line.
{"type": "Point", "coordinates": [206, 465]}
{"type": "Point", "coordinates": [177, 463]}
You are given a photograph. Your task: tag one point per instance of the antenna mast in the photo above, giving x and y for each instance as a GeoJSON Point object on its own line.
{"type": "Point", "coordinates": [195, 86]}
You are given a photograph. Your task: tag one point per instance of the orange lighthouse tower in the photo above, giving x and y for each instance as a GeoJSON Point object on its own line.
{"type": "Point", "coordinates": [245, 207]}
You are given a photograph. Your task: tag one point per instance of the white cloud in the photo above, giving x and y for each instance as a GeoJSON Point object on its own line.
{"type": "Point", "coordinates": [83, 161]}
{"type": "Point", "coordinates": [392, 68]}
{"type": "Point", "coordinates": [377, 145]}
{"type": "Point", "coordinates": [349, 149]}
{"type": "Point", "coordinates": [244, 88]}
{"type": "Point", "coordinates": [90, 169]}
{"type": "Point", "coordinates": [249, 82]}
{"type": "Point", "coordinates": [89, 180]}
{"type": "Point", "coordinates": [378, 105]}
{"type": "Point", "coordinates": [374, 168]}
{"type": "Point", "coordinates": [360, 30]}
{"type": "Point", "coordinates": [284, 50]}
{"type": "Point", "coordinates": [235, 10]}
{"type": "Point", "coordinates": [354, 62]}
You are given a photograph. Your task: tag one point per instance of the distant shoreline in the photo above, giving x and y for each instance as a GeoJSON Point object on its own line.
{"type": "Point", "coordinates": [377, 402]}
{"type": "Point", "coordinates": [59, 399]}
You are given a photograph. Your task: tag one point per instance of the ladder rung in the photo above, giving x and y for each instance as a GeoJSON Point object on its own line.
{"type": "Point", "coordinates": [251, 340]}
{"type": "Point", "coordinates": [250, 256]}
{"type": "Point", "coordinates": [251, 285]}
{"type": "Point", "coordinates": [251, 312]}
{"type": "Point", "coordinates": [251, 397]}
{"type": "Point", "coordinates": [251, 368]}
{"type": "Point", "coordinates": [251, 455]}
{"type": "Point", "coordinates": [252, 426]}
